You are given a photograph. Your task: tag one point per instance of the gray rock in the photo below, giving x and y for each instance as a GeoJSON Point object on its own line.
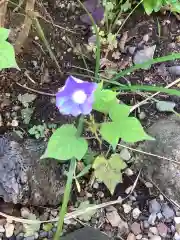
{"type": "Point", "coordinates": [164, 173]}
{"type": "Point", "coordinates": [26, 179]}
{"type": "Point", "coordinates": [144, 55]}
{"type": "Point", "coordinates": [86, 233]}
{"type": "Point", "coordinates": [175, 70]}
{"type": "Point", "coordinates": [167, 212]}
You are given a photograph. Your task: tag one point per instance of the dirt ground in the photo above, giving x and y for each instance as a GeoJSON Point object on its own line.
{"type": "Point", "coordinates": [163, 30]}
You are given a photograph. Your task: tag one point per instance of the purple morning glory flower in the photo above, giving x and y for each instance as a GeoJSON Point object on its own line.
{"type": "Point", "coordinates": [97, 11]}
{"type": "Point", "coordinates": [76, 97]}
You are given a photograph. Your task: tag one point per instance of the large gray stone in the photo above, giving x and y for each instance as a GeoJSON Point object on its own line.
{"type": "Point", "coordinates": [164, 173]}
{"type": "Point", "coordinates": [26, 179]}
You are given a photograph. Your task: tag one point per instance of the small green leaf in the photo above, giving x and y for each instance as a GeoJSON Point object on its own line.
{"type": "Point", "coordinates": [119, 111]}
{"type": "Point", "coordinates": [110, 133]}
{"type": "Point", "coordinates": [47, 227]}
{"type": "Point", "coordinates": [130, 130]}
{"type": "Point", "coordinates": [88, 215]}
{"type": "Point", "coordinates": [64, 144]}
{"type": "Point", "coordinates": [31, 229]}
{"type": "Point", "coordinates": [26, 98]}
{"type": "Point", "coordinates": [7, 54]}
{"type": "Point", "coordinates": [109, 171]}
{"type": "Point", "coordinates": [103, 100]}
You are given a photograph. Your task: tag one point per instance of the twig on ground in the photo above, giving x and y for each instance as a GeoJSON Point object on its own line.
{"type": "Point", "coordinates": [22, 36]}
{"type": "Point", "coordinates": [150, 154]}
{"type": "Point", "coordinates": [27, 75]}
{"type": "Point", "coordinates": [153, 95]}
{"type": "Point", "coordinates": [36, 91]}
{"type": "Point", "coordinates": [3, 10]}
{"type": "Point", "coordinates": [43, 38]}
{"type": "Point", "coordinates": [74, 214]}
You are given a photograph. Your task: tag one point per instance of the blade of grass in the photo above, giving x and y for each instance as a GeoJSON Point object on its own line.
{"type": "Point", "coordinates": [97, 40]}
{"type": "Point", "coordinates": [153, 61]}
{"type": "Point", "coordinates": [144, 88]}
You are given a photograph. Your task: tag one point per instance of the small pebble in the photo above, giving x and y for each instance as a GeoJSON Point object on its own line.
{"type": "Point", "coordinates": [100, 194]}
{"type": "Point", "coordinates": [146, 38]}
{"type": "Point", "coordinates": [152, 219]}
{"type": "Point", "coordinates": [125, 154]}
{"type": "Point", "coordinates": [114, 218]}
{"type": "Point", "coordinates": [146, 224]}
{"type": "Point", "coordinates": [135, 213]}
{"type": "Point", "coordinates": [177, 220]}
{"type": "Point", "coordinates": [50, 234]}
{"type": "Point", "coordinates": [14, 123]}
{"type": "Point", "coordinates": [153, 230]}
{"type": "Point", "coordinates": [136, 228]}
{"type": "Point", "coordinates": [148, 184]}
{"type": "Point", "coordinates": [142, 115]}
{"type": "Point", "coordinates": [128, 172]}
{"type": "Point", "coordinates": [9, 229]}
{"type": "Point", "coordinates": [96, 185]}
{"type": "Point", "coordinates": [131, 236]}
{"type": "Point", "coordinates": [167, 212]}
{"type": "Point", "coordinates": [54, 213]}
{"type": "Point", "coordinates": [154, 206]}
{"type": "Point", "coordinates": [138, 237]}
{"type": "Point", "coordinates": [127, 208]}
{"type": "Point", "coordinates": [43, 234]}
{"type": "Point", "coordinates": [54, 229]}
{"type": "Point", "coordinates": [162, 229]}
{"type": "Point", "coordinates": [2, 230]}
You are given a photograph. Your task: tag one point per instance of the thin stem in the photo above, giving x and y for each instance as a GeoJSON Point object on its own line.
{"type": "Point", "coordinates": [65, 198]}
{"type": "Point", "coordinates": [98, 52]}
{"type": "Point", "coordinates": [68, 187]}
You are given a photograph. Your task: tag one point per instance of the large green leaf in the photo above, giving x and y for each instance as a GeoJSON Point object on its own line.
{"type": "Point", "coordinates": [119, 111]}
{"type": "Point", "coordinates": [103, 99]}
{"type": "Point", "coordinates": [109, 171]}
{"type": "Point", "coordinates": [7, 54]}
{"type": "Point", "coordinates": [64, 144]}
{"type": "Point", "coordinates": [130, 130]}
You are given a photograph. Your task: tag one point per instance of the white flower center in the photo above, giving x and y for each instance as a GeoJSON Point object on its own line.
{"type": "Point", "coordinates": [79, 97]}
